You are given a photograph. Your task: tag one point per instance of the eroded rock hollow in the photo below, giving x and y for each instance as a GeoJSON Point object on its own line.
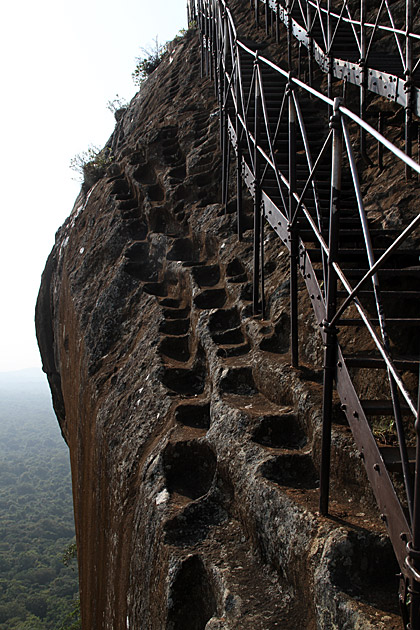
{"type": "Point", "coordinates": [194, 446]}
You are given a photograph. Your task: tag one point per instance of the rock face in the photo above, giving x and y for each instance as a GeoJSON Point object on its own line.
{"type": "Point", "coordinates": [194, 446]}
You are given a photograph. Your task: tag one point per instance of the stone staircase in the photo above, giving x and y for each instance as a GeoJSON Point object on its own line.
{"type": "Point", "coordinates": [235, 467]}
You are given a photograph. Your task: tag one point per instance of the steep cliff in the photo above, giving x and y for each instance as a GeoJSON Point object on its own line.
{"type": "Point", "coordinates": [193, 444]}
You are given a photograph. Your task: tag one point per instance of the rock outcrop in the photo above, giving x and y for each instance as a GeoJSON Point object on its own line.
{"type": "Point", "coordinates": [194, 445]}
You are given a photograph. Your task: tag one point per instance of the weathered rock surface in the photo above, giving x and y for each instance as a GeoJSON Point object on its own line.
{"type": "Point", "coordinates": [194, 446]}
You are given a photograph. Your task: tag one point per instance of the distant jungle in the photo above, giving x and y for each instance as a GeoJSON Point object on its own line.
{"type": "Point", "coordinates": [38, 569]}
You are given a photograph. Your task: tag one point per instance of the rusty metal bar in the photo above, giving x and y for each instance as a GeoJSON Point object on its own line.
{"type": "Point", "coordinates": [310, 43]}
{"type": "Point", "coordinates": [211, 41]}
{"type": "Point", "coordinates": [363, 75]}
{"type": "Point", "coordinates": [224, 153]}
{"type": "Point", "coordinates": [238, 127]}
{"type": "Point", "coordinates": [226, 178]}
{"type": "Point", "coordinates": [299, 59]}
{"type": "Point", "coordinates": [257, 192]}
{"type": "Point", "coordinates": [262, 260]}
{"type": "Point", "coordinates": [289, 35]}
{"type": "Point", "coordinates": [206, 41]}
{"type": "Point", "coordinates": [217, 53]}
{"type": "Point", "coordinates": [417, 126]}
{"type": "Point", "coordinates": [329, 52]}
{"type": "Point", "coordinates": [266, 17]}
{"type": "Point", "coordinates": [408, 87]}
{"type": "Point", "coordinates": [413, 549]}
{"type": "Point", "coordinates": [200, 20]}
{"type": "Point", "coordinates": [383, 328]}
{"type": "Point", "coordinates": [294, 240]}
{"type": "Point", "coordinates": [330, 348]}
{"type": "Point", "coordinates": [380, 147]}
{"type": "Point", "coordinates": [223, 112]}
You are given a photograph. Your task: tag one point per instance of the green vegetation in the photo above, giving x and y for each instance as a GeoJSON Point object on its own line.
{"type": "Point", "coordinates": [117, 105]}
{"type": "Point", "coordinates": [152, 56]}
{"type": "Point", "coordinates": [91, 165]}
{"type": "Point", "coordinates": [149, 61]}
{"type": "Point", "coordinates": [36, 513]}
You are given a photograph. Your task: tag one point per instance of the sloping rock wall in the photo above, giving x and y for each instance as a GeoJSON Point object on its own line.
{"type": "Point", "coordinates": [193, 444]}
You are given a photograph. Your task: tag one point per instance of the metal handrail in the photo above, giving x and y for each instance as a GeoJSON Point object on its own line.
{"type": "Point", "coordinates": [345, 112]}
{"type": "Point", "coordinates": [399, 86]}
{"type": "Point", "coordinates": [367, 24]}
{"type": "Point", "coordinates": [236, 100]}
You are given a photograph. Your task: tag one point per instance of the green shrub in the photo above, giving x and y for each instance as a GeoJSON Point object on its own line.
{"type": "Point", "coordinates": [153, 55]}
{"type": "Point", "coordinates": [91, 165]}
{"type": "Point", "coordinates": [73, 620]}
{"type": "Point", "coordinates": [148, 62]}
{"type": "Point", "coordinates": [117, 106]}
{"type": "Point", "coordinates": [70, 554]}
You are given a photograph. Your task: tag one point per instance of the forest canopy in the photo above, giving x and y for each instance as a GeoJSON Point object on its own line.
{"type": "Point", "coordinates": [38, 591]}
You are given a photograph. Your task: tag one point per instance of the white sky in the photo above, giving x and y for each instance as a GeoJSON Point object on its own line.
{"type": "Point", "coordinates": [61, 62]}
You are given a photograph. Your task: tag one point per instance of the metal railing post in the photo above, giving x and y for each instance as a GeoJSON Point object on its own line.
{"type": "Point", "coordinates": [200, 30]}
{"type": "Point", "coordinates": [257, 193]}
{"type": "Point", "coordinates": [310, 43]}
{"type": "Point", "coordinates": [223, 114]}
{"type": "Point", "coordinates": [256, 11]}
{"type": "Point", "coordinates": [262, 219]}
{"type": "Point", "coordinates": [215, 76]}
{"type": "Point", "coordinates": [206, 30]}
{"type": "Point", "coordinates": [380, 146]}
{"type": "Point", "coordinates": [217, 58]}
{"type": "Point", "coordinates": [294, 242]}
{"type": "Point", "coordinates": [211, 38]}
{"type": "Point", "coordinates": [289, 35]}
{"type": "Point", "coordinates": [413, 549]}
{"type": "Point", "coordinates": [266, 17]}
{"type": "Point", "coordinates": [329, 44]}
{"type": "Point", "coordinates": [277, 21]}
{"type": "Point", "coordinates": [408, 86]}
{"type": "Point", "coordinates": [239, 205]}
{"type": "Point", "coordinates": [330, 332]}
{"type": "Point", "coordinates": [363, 75]}
{"type": "Point", "coordinates": [220, 95]}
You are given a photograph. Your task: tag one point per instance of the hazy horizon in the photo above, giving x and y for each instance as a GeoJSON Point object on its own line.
{"type": "Point", "coordinates": [63, 63]}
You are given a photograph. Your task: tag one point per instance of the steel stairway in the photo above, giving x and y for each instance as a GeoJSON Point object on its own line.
{"type": "Point", "coordinates": [287, 149]}
{"type": "Point", "coordinates": [372, 46]}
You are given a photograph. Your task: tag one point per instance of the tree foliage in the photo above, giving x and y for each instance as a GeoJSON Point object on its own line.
{"type": "Point", "coordinates": [36, 515]}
